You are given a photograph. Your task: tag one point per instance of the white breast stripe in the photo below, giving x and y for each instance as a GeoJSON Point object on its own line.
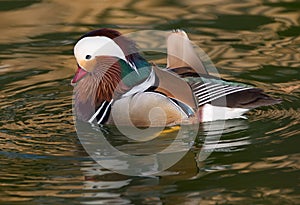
{"type": "Point", "coordinates": [97, 112]}
{"type": "Point", "coordinates": [105, 112]}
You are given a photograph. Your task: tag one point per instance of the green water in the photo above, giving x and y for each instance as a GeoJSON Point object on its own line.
{"type": "Point", "coordinates": [41, 159]}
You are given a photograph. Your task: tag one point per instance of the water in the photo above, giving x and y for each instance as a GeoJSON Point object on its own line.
{"type": "Point", "coordinates": [42, 160]}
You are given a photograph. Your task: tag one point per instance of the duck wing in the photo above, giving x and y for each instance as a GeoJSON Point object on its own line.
{"type": "Point", "coordinates": [184, 61]}
{"type": "Point", "coordinates": [229, 94]}
{"type": "Point", "coordinates": [174, 87]}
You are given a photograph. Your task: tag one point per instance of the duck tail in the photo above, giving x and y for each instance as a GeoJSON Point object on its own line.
{"type": "Point", "coordinates": [251, 98]}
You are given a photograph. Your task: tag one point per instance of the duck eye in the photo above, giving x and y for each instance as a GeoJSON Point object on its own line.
{"type": "Point", "coordinates": [88, 57]}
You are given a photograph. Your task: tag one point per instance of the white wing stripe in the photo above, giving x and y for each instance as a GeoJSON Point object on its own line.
{"type": "Point", "coordinates": [220, 93]}
{"type": "Point", "coordinates": [212, 92]}
{"type": "Point", "coordinates": [219, 96]}
{"type": "Point", "coordinates": [218, 87]}
{"type": "Point", "coordinates": [196, 85]}
{"type": "Point", "coordinates": [210, 86]}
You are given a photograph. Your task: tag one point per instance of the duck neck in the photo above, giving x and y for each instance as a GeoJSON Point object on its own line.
{"type": "Point", "coordinates": [135, 73]}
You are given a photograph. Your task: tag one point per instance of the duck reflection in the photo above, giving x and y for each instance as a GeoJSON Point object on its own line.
{"type": "Point", "coordinates": [113, 150]}
{"type": "Point", "coordinates": [103, 185]}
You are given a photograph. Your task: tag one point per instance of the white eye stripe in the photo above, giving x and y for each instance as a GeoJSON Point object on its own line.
{"type": "Point", "coordinates": [97, 46]}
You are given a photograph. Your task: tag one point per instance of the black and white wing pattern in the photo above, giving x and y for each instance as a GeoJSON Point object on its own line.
{"type": "Point", "coordinates": [228, 94]}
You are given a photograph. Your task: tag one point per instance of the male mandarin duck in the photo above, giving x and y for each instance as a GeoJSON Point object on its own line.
{"type": "Point", "coordinates": [115, 84]}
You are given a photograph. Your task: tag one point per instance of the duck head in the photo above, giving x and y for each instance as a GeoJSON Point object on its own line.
{"type": "Point", "coordinates": [108, 63]}
{"type": "Point", "coordinates": [92, 48]}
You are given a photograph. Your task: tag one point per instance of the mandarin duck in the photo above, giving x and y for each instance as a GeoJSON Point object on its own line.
{"type": "Point", "coordinates": [115, 84]}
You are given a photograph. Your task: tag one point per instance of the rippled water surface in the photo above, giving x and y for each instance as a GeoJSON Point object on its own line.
{"type": "Point", "coordinates": [256, 161]}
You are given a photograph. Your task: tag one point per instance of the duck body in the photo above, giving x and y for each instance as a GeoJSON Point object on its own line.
{"type": "Point", "coordinates": [116, 85]}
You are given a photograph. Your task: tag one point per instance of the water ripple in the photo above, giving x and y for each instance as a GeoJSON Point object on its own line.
{"type": "Point", "coordinates": [255, 161]}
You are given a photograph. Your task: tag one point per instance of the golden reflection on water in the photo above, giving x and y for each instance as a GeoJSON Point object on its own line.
{"type": "Point", "coordinates": [35, 99]}
{"type": "Point", "coordinates": [65, 16]}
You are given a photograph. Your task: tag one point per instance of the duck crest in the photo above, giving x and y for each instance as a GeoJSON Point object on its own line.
{"type": "Point", "coordinates": [128, 47]}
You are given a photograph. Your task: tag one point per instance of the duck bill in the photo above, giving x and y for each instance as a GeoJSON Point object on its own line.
{"type": "Point", "coordinates": [80, 73]}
